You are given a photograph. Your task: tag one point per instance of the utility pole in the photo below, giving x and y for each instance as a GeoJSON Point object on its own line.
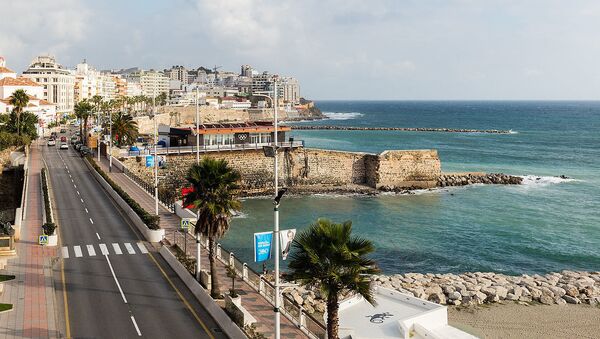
{"type": "Point", "coordinates": [99, 132]}
{"type": "Point", "coordinates": [275, 238]}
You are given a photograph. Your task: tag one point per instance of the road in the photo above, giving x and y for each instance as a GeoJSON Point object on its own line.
{"type": "Point", "coordinates": [116, 285]}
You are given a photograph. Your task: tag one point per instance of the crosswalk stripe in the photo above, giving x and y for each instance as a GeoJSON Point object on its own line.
{"type": "Point", "coordinates": [129, 248]}
{"type": "Point", "coordinates": [77, 250]}
{"type": "Point", "coordinates": [65, 252]}
{"type": "Point", "coordinates": [117, 248]}
{"type": "Point", "coordinates": [103, 249]}
{"type": "Point", "coordinates": [142, 247]}
{"type": "Point", "coordinates": [91, 250]}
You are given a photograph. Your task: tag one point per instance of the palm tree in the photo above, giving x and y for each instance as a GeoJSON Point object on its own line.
{"type": "Point", "coordinates": [19, 100]}
{"type": "Point", "coordinates": [215, 187]}
{"type": "Point", "coordinates": [124, 129]}
{"type": "Point", "coordinates": [327, 256]}
{"type": "Point", "coordinates": [83, 110]}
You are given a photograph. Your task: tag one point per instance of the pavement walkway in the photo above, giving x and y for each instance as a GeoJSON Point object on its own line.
{"type": "Point", "coordinates": [32, 290]}
{"type": "Point", "coordinates": [255, 303]}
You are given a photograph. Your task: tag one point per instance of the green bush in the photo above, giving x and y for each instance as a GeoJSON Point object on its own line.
{"type": "Point", "coordinates": [49, 228]}
{"type": "Point", "coordinates": [152, 221]}
{"type": "Point", "coordinates": [46, 196]}
{"type": "Point", "coordinates": [8, 139]}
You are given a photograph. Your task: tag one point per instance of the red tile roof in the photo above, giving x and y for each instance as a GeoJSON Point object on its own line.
{"type": "Point", "coordinates": [6, 70]}
{"type": "Point", "coordinates": [20, 81]}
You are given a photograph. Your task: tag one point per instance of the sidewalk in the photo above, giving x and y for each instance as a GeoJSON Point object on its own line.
{"type": "Point", "coordinates": [32, 291]}
{"type": "Point", "coordinates": [255, 303]}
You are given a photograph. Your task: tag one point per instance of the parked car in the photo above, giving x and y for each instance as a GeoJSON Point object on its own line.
{"type": "Point", "coordinates": [84, 150]}
{"type": "Point", "coordinates": [62, 130]}
{"type": "Point", "coordinates": [64, 146]}
{"type": "Point", "coordinates": [74, 140]}
{"type": "Point", "coordinates": [51, 142]}
{"type": "Point", "coordinates": [78, 145]}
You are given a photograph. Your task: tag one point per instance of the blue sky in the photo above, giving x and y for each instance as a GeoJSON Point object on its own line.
{"type": "Point", "coordinates": [338, 49]}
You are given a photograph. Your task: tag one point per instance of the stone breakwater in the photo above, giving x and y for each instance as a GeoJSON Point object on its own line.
{"type": "Point", "coordinates": [403, 129]}
{"type": "Point", "coordinates": [478, 288]}
{"type": "Point", "coordinates": [479, 178]}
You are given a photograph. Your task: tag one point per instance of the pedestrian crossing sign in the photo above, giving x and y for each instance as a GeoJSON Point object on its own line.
{"type": "Point", "coordinates": [187, 222]}
{"type": "Point", "coordinates": [43, 239]}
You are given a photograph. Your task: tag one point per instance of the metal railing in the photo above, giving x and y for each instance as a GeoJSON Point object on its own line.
{"type": "Point", "coordinates": [213, 148]}
{"type": "Point", "coordinates": [168, 201]}
{"type": "Point", "coordinates": [308, 324]}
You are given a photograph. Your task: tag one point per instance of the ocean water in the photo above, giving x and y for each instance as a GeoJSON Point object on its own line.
{"type": "Point", "coordinates": [547, 224]}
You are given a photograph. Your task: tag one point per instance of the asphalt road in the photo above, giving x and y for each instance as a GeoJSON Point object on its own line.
{"type": "Point", "coordinates": [117, 286]}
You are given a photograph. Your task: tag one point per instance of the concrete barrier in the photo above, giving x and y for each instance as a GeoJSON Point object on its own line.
{"type": "Point", "coordinates": [228, 326]}
{"type": "Point", "coordinates": [150, 235]}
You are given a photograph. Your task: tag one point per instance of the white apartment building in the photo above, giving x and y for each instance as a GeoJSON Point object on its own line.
{"type": "Point", "coordinates": [178, 73]}
{"type": "Point", "coordinates": [9, 83]}
{"type": "Point", "coordinates": [133, 89]}
{"type": "Point", "coordinates": [153, 83]}
{"type": "Point", "coordinates": [58, 83]}
{"type": "Point", "coordinates": [291, 90]}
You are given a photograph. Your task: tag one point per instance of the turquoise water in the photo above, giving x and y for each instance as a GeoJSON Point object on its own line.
{"type": "Point", "coordinates": [547, 224]}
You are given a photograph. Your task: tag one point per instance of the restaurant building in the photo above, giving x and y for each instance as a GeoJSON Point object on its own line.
{"type": "Point", "coordinates": [226, 135]}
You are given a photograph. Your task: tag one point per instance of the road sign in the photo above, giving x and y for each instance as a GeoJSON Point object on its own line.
{"type": "Point", "coordinates": [187, 222]}
{"type": "Point", "coordinates": [43, 239]}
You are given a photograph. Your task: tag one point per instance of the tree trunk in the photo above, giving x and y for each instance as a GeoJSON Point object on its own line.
{"type": "Point", "coordinates": [332, 316]}
{"type": "Point", "coordinates": [85, 130]}
{"type": "Point", "coordinates": [18, 123]}
{"type": "Point", "coordinates": [214, 281]}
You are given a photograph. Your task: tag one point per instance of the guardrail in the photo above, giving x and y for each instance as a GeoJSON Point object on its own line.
{"type": "Point", "coordinates": [167, 200]}
{"type": "Point", "coordinates": [308, 324]}
{"type": "Point", "coordinates": [213, 148]}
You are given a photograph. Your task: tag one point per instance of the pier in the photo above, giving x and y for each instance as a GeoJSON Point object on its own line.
{"type": "Point", "coordinates": [404, 129]}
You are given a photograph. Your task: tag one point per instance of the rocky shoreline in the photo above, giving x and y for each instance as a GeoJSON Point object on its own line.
{"type": "Point", "coordinates": [566, 287]}
{"type": "Point", "coordinates": [404, 129]}
{"type": "Point", "coordinates": [446, 180]}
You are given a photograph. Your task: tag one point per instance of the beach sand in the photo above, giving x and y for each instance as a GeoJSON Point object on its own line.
{"type": "Point", "coordinates": [527, 321]}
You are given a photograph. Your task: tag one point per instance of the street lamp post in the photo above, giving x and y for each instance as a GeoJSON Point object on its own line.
{"type": "Point", "coordinates": [276, 200]}
{"type": "Point", "coordinates": [198, 245]}
{"type": "Point", "coordinates": [155, 154]}
{"type": "Point", "coordinates": [110, 142]}
{"type": "Point", "coordinates": [99, 132]}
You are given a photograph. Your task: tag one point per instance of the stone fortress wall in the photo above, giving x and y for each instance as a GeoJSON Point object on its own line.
{"type": "Point", "coordinates": [316, 170]}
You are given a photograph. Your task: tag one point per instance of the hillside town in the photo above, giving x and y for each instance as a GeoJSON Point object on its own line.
{"type": "Point", "coordinates": [54, 90]}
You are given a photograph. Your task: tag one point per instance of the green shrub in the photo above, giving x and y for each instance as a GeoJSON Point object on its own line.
{"type": "Point", "coordinates": [8, 139]}
{"type": "Point", "coordinates": [152, 221]}
{"type": "Point", "coordinates": [46, 195]}
{"type": "Point", "coordinates": [49, 228]}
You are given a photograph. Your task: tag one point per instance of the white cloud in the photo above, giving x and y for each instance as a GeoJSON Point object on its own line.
{"type": "Point", "coordinates": [46, 26]}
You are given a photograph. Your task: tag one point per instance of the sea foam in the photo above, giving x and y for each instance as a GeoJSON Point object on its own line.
{"type": "Point", "coordinates": [531, 180]}
{"type": "Point", "coordinates": [342, 115]}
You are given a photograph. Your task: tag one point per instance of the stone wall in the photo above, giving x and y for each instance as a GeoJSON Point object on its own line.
{"type": "Point", "coordinates": [306, 168]}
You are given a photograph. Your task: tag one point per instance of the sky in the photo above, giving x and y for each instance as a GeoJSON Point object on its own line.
{"type": "Point", "coordinates": [338, 49]}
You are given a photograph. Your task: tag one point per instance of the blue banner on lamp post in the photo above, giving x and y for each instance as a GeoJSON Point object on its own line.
{"type": "Point", "coordinates": [262, 246]}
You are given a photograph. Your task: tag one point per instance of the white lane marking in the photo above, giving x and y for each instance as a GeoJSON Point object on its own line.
{"type": "Point", "coordinates": [92, 221]}
{"type": "Point", "coordinates": [77, 250]}
{"type": "Point", "coordinates": [136, 326]}
{"type": "Point", "coordinates": [142, 247]}
{"type": "Point", "coordinates": [103, 249]}
{"type": "Point", "coordinates": [98, 235]}
{"type": "Point", "coordinates": [116, 281]}
{"type": "Point", "coordinates": [86, 211]}
{"type": "Point", "coordinates": [81, 199]}
{"type": "Point", "coordinates": [78, 193]}
{"type": "Point", "coordinates": [70, 176]}
{"type": "Point", "coordinates": [91, 250]}
{"type": "Point", "coordinates": [117, 248]}
{"type": "Point", "coordinates": [129, 248]}
{"type": "Point", "coordinates": [72, 180]}
{"type": "Point", "coordinates": [65, 252]}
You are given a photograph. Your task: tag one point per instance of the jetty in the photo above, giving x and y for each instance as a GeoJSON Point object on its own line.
{"type": "Point", "coordinates": [404, 129]}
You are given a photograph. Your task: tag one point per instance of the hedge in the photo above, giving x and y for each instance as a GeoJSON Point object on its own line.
{"type": "Point", "coordinates": [152, 221]}
{"type": "Point", "coordinates": [46, 196]}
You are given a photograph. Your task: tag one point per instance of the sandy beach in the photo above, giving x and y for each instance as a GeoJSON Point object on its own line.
{"type": "Point", "coordinates": [513, 320]}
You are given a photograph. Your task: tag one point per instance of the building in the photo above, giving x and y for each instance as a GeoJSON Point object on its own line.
{"type": "Point", "coordinates": [133, 89]}
{"type": "Point", "coordinates": [9, 83]}
{"type": "Point", "coordinates": [247, 71]}
{"type": "Point", "coordinates": [290, 90]}
{"type": "Point", "coordinates": [178, 73]}
{"type": "Point", "coordinates": [234, 103]}
{"type": "Point", "coordinates": [58, 83]}
{"type": "Point", "coordinates": [153, 83]}
{"type": "Point", "coordinates": [229, 135]}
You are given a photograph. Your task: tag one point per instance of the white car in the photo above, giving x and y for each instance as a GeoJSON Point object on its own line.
{"type": "Point", "coordinates": [51, 142]}
{"type": "Point", "coordinates": [64, 146]}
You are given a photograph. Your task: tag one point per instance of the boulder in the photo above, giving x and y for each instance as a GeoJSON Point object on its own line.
{"type": "Point", "coordinates": [571, 300]}
{"type": "Point", "coordinates": [546, 299]}
{"type": "Point", "coordinates": [454, 295]}
{"type": "Point", "coordinates": [571, 290]}
{"type": "Point", "coordinates": [438, 298]}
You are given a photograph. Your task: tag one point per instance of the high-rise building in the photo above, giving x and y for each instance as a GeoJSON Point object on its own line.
{"type": "Point", "coordinates": [291, 90]}
{"type": "Point", "coordinates": [247, 71]}
{"type": "Point", "coordinates": [153, 83]}
{"type": "Point", "coordinates": [58, 82]}
{"type": "Point", "coordinates": [178, 73]}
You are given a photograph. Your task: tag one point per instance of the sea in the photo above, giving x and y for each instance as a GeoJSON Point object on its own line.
{"type": "Point", "coordinates": [547, 224]}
